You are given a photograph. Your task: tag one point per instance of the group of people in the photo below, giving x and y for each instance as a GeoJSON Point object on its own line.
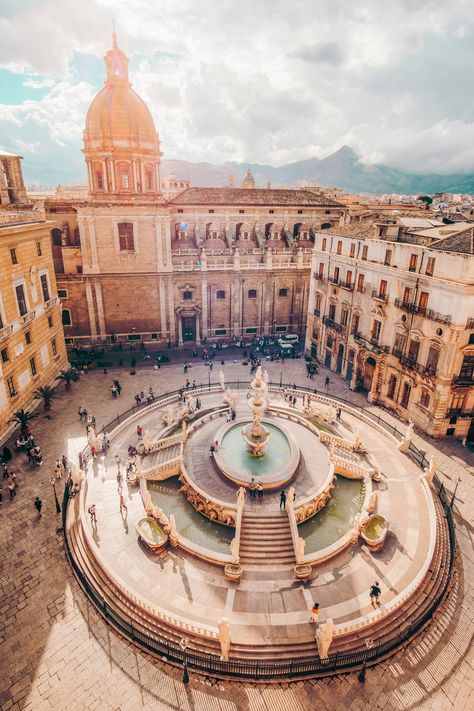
{"type": "Point", "coordinates": [143, 398]}
{"type": "Point", "coordinates": [115, 388]}
{"type": "Point", "coordinates": [255, 489]}
{"type": "Point", "coordinates": [311, 370]}
{"type": "Point", "coordinates": [11, 482]}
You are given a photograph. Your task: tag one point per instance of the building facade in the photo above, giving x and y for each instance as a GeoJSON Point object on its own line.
{"type": "Point", "coordinates": [391, 309]}
{"type": "Point", "coordinates": [179, 265]}
{"type": "Point", "coordinates": [32, 347]}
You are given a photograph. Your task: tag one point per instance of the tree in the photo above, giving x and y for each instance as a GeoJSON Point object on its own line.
{"type": "Point", "coordinates": [46, 394]}
{"type": "Point", "coordinates": [426, 199]}
{"type": "Point", "coordinates": [68, 377]}
{"type": "Point", "coordinates": [23, 418]}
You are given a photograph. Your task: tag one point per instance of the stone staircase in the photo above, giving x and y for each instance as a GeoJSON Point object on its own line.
{"type": "Point", "coordinates": [162, 455]}
{"type": "Point", "coordinates": [265, 539]}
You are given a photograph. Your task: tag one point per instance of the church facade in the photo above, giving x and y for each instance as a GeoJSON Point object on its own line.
{"type": "Point", "coordinates": [136, 262]}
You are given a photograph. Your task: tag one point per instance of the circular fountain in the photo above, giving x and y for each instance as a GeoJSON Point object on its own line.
{"type": "Point", "coordinates": [274, 465]}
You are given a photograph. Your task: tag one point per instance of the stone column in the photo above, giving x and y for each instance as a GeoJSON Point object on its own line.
{"type": "Point", "coordinates": [180, 331]}
{"type": "Point", "coordinates": [204, 306]}
{"type": "Point", "coordinates": [161, 287]}
{"type": "Point", "coordinates": [93, 245]}
{"type": "Point", "coordinates": [167, 259]}
{"type": "Point", "coordinates": [159, 244]}
{"type": "Point", "coordinates": [198, 334]}
{"type": "Point", "coordinates": [171, 310]}
{"type": "Point", "coordinates": [90, 309]}
{"type": "Point", "coordinates": [100, 308]}
{"type": "Point", "coordinates": [112, 174]}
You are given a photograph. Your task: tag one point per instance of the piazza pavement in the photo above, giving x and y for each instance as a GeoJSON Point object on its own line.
{"type": "Point", "coordinates": [58, 653]}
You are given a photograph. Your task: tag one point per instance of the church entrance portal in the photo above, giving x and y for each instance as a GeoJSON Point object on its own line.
{"type": "Point", "coordinates": [189, 328]}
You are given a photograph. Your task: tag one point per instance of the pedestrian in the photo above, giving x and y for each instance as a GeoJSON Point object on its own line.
{"type": "Point", "coordinates": [92, 514]}
{"type": "Point", "coordinates": [375, 593]}
{"type": "Point", "coordinates": [326, 382]}
{"type": "Point", "coordinates": [283, 499]}
{"type": "Point", "coordinates": [64, 462]}
{"type": "Point", "coordinates": [314, 613]}
{"type": "Point", "coordinates": [1, 496]}
{"type": "Point", "coordinates": [260, 490]}
{"type": "Point", "coordinates": [38, 505]}
{"type": "Point", "coordinates": [80, 412]}
{"type": "Point", "coordinates": [252, 488]}
{"type": "Point", "coordinates": [139, 431]}
{"type": "Point", "coordinates": [119, 479]}
{"type": "Point", "coordinates": [11, 488]}
{"type": "Point", "coordinates": [187, 384]}
{"type": "Point", "coordinates": [123, 505]}
{"type": "Point", "coordinates": [194, 385]}
{"type": "Point", "coordinates": [118, 386]}
{"type": "Point", "coordinates": [338, 414]}
{"type": "Point", "coordinates": [5, 471]}
{"type": "Point", "coordinates": [212, 449]}
{"type": "Point", "coordinates": [118, 462]}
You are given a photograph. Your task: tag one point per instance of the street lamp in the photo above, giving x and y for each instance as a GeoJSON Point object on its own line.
{"type": "Point", "coordinates": [281, 377]}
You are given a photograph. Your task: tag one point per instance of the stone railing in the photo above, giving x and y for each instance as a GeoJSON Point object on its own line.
{"type": "Point", "coordinates": [349, 469]}
{"type": "Point", "coordinates": [125, 593]}
{"type": "Point", "coordinates": [216, 510]}
{"type": "Point", "coordinates": [235, 543]}
{"type": "Point", "coordinates": [6, 331]}
{"type": "Point", "coordinates": [341, 443]}
{"type": "Point", "coordinates": [50, 303]}
{"type": "Point", "coordinates": [163, 470]}
{"type": "Point", "coordinates": [149, 447]}
{"type": "Point", "coordinates": [395, 604]}
{"type": "Point", "coordinates": [298, 543]}
{"type": "Point", "coordinates": [28, 318]}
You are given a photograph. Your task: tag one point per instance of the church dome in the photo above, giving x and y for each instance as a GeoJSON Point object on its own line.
{"type": "Point", "coordinates": [249, 180]}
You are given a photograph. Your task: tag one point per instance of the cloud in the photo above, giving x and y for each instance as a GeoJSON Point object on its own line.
{"type": "Point", "coordinates": [321, 53]}
{"type": "Point", "coordinates": [261, 82]}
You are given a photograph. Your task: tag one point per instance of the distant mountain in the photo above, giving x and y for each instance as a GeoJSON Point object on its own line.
{"type": "Point", "coordinates": [342, 169]}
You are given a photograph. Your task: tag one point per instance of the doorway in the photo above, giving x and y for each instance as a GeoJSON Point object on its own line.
{"type": "Point", "coordinates": [368, 374]}
{"type": "Point", "coordinates": [340, 358]}
{"type": "Point", "coordinates": [189, 328]}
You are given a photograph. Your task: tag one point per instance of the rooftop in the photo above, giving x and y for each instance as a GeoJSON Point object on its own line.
{"type": "Point", "coordinates": [252, 196]}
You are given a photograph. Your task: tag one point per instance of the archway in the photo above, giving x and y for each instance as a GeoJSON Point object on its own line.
{"type": "Point", "coordinates": [369, 369]}
{"type": "Point", "coordinates": [340, 358]}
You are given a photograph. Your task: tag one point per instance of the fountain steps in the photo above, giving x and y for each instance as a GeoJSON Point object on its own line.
{"type": "Point", "coordinates": [266, 539]}
{"type": "Point", "coordinates": [265, 649]}
{"type": "Point", "coordinates": [162, 455]}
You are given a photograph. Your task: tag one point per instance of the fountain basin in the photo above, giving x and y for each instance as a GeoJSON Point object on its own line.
{"type": "Point", "coordinates": [151, 533]}
{"type": "Point", "coordinates": [274, 468]}
{"type": "Point", "coordinates": [375, 531]}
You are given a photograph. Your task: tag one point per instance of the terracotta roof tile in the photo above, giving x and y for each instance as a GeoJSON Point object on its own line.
{"type": "Point", "coordinates": [250, 197]}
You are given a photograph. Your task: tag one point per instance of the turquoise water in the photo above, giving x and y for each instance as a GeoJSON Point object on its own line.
{"type": "Point", "coordinates": [237, 459]}
{"type": "Point", "coordinates": [336, 518]}
{"type": "Point", "coordinates": [189, 522]}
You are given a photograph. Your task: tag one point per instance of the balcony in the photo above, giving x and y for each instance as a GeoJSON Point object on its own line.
{"type": "Point", "coordinates": [5, 331]}
{"type": "Point", "coordinates": [469, 323]}
{"type": "Point", "coordinates": [379, 296]}
{"type": "Point", "coordinates": [51, 303]}
{"type": "Point", "coordinates": [317, 312]}
{"type": "Point", "coordinates": [28, 318]}
{"type": "Point", "coordinates": [334, 280]}
{"type": "Point", "coordinates": [463, 381]}
{"type": "Point", "coordinates": [347, 285]}
{"type": "Point", "coordinates": [319, 277]}
{"type": "Point", "coordinates": [370, 344]}
{"type": "Point", "coordinates": [360, 289]}
{"type": "Point", "coordinates": [459, 412]}
{"type": "Point", "coordinates": [423, 311]}
{"type": "Point", "coordinates": [330, 323]}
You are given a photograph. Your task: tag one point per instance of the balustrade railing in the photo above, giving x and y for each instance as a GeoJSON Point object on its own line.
{"type": "Point", "coordinates": [330, 323]}
{"type": "Point", "coordinates": [379, 296]}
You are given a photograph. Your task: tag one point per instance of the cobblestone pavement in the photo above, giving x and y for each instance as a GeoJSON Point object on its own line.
{"type": "Point", "coordinates": [57, 652]}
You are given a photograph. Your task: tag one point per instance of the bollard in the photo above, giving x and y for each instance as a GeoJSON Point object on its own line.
{"type": "Point", "coordinates": [361, 676]}
{"type": "Point", "coordinates": [185, 673]}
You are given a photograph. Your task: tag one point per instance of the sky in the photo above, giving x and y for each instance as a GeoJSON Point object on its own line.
{"type": "Point", "coordinates": [261, 81]}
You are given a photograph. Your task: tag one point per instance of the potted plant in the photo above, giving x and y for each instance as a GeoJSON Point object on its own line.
{"type": "Point", "coordinates": [23, 418]}
{"type": "Point", "coordinates": [46, 394]}
{"type": "Point", "coordinates": [68, 377]}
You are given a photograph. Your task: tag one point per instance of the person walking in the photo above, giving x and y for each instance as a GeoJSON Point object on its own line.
{"type": "Point", "coordinates": [139, 431]}
{"type": "Point", "coordinates": [326, 382]}
{"type": "Point", "coordinates": [375, 593]}
{"type": "Point", "coordinates": [338, 414]}
{"type": "Point", "coordinates": [283, 499]}
{"type": "Point", "coordinates": [92, 514]}
{"type": "Point", "coordinates": [38, 505]}
{"type": "Point", "coordinates": [252, 488]}
{"type": "Point", "coordinates": [5, 471]}
{"type": "Point", "coordinates": [123, 505]}
{"type": "Point", "coordinates": [314, 613]}
{"type": "Point", "coordinates": [11, 488]}
{"type": "Point", "coordinates": [1, 496]}
{"type": "Point", "coordinates": [260, 490]}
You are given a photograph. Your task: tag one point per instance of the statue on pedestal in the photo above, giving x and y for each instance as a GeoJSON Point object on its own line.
{"type": "Point", "coordinates": [324, 637]}
{"type": "Point", "coordinates": [224, 638]}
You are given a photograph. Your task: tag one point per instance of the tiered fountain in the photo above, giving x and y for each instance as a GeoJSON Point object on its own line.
{"type": "Point", "coordinates": [255, 435]}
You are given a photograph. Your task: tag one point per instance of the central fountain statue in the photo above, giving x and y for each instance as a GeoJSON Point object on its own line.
{"type": "Point", "coordinates": [255, 435]}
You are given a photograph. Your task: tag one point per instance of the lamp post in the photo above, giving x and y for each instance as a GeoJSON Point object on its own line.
{"type": "Point", "coordinates": [281, 377]}
{"type": "Point", "coordinates": [209, 376]}
{"type": "Point", "coordinates": [52, 481]}
{"type": "Point", "coordinates": [453, 497]}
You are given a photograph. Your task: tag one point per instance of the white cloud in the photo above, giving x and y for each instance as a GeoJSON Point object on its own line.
{"type": "Point", "coordinates": [269, 81]}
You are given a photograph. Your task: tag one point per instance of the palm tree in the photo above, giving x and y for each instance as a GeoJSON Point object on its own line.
{"type": "Point", "coordinates": [46, 393]}
{"type": "Point", "coordinates": [23, 419]}
{"type": "Point", "coordinates": [68, 377]}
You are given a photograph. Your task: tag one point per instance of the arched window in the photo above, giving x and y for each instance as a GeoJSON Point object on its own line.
{"type": "Point", "coordinates": [252, 294]}
{"type": "Point", "coordinates": [424, 398]}
{"type": "Point", "coordinates": [220, 294]}
{"type": "Point", "coordinates": [329, 341]}
{"type": "Point", "coordinates": [124, 176]}
{"type": "Point", "coordinates": [66, 317]}
{"type": "Point", "coordinates": [149, 177]}
{"type": "Point", "coordinates": [77, 236]}
{"type": "Point", "coordinates": [56, 235]}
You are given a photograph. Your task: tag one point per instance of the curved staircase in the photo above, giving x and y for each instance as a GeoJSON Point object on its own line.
{"type": "Point", "coordinates": [265, 539]}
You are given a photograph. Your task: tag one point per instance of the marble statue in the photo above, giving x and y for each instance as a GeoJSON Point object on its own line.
{"type": "Point", "coordinates": [291, 495]}
{"type": "Point", "coordinates": [372, 504]}
{"type": "Point", "coordinates": [430, 471]}
{"type": "Point", "coordinates": [324, 637]}
{"type": "Point", "coordinates": [146, 441]}
{"type": "Point", "coordinates": [224, 638]}
{"type": "Point", "coordinates": [173, 533]}
{"type": "Point", "coordinates": [359, 522]}
{"type": "Point", "coordinates": [231, 398]}
{"type": "Point", "coordinates": [222, 379]}
{"type": "Point", "coordinates": [404, 445]}
{"type": "Point", "coordinates": [241, 496]}
{"type": "Point", "coordinates": [234, 551]}
{"type": "Point", "coordinates": [169, 415]}
{"type": "Point", "coordinates": [300, 550]}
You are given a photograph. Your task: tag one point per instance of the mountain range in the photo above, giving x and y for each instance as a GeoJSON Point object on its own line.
{"type": "Point", "coordinates": [342, 169]}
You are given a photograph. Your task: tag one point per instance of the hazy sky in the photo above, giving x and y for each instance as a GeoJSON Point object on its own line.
{"type": "Point", "coordinates": [250, 80]}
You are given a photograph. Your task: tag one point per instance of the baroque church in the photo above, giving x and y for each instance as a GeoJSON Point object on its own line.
{"type": "Point", "coordinates": [135, 261]}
